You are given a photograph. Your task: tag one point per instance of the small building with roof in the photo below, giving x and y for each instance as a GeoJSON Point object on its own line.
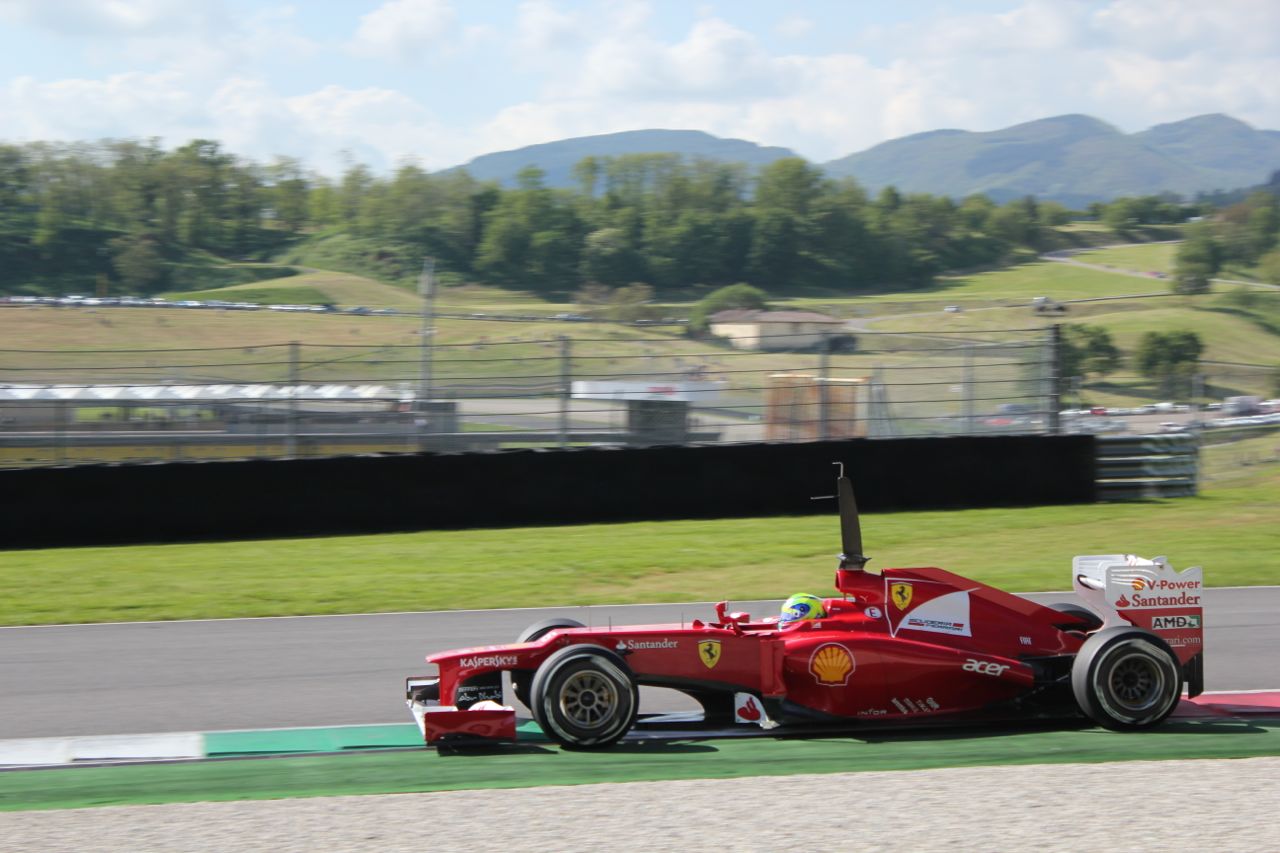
{"type": "Point", "coordinates": [756, 329]}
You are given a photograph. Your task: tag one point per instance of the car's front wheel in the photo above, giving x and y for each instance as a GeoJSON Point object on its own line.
{"type": "Point", "coordinates": [584, 697]}
{"type": "Point", "coordinates": [1126, 678]}
{"type": "Point", "coordinates": [522, 680]}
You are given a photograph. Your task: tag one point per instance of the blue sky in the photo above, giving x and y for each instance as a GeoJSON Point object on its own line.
{"type": "Point", "coordinates": [438, 82]}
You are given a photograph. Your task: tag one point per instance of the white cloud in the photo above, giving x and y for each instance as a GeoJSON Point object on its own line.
{"type": "Point", "coordinates": [715, 61]}
{"type": "Point", "coordinates": [541, 27]}
{"type": "Point", "coordinates": [405, 30]}
{"type": "Point", "coordinates": [116, 17]}
{"type": "Point", "coordinates": [1132, 63]}
{"type": "Point", "coordinates": [605, 67]}
{"type": "Point", "coordinates": [1236, 28]}
{"type": "Point", "coordinates": [376, 126]}
{"type": "Point", "coordinates": [122, 105]}
{"type": "Point", "coordinates": [794, 27]}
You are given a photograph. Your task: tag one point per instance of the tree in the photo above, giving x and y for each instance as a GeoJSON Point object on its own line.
{"type": "Point", "coordinates": [1120, 216]}
{"type": "Point", "coordinates": [1171, 359]}
{"type": "Point", "coordinates": [1196, 263]}
{"type": "Point", "coordinates": [609, 258]}
{"type": "Point", "coordinates": [592, 298]}
{"type": "Point", "coordinates": [288, 192]}
{"type": "Point", "coordinates": [1053, 213]}
{"type": "Point", "coordinates": [1247, 230]}
{"type": "Point", "coordinates": [1087, 350]}
{"type": "Point", "coordinates": [733, 296]}
{"type": "Point", "coordinates": [532, 237]}
{"type": "Point", "coordinates": [789, 184]}
{"type": "Point", "coordinates": [1016, 223]}
{"type": "Point", "coordinates": [775, 247]}
{"type": "Point", "coordinates": [631, 303]}
{"type": "Point", "coordinates": [138, 263]}
{"type": "Point", "coordinates": [975, 212]}
{"type": "Point", "coordinates": [1269, 267]}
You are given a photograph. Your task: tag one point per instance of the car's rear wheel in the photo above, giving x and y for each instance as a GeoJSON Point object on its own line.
{"type": "Point", "coordinates": [521, 681]}
{"type": "Point", "coordinates": [584, 697]}
{"type": "Point", "coordinates": [1126, 678]}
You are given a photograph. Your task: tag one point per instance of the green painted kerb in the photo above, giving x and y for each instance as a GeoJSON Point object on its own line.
{"type": "Point", "coordinates": [529, 763]}
{"type": "Point", "coordinates": [337, 739]}
{"type": "Point", "coordinates": [277, 741]}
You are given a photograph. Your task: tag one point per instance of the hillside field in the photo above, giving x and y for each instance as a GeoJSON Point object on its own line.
{"type": "Point", "coordinates": [478, 344]}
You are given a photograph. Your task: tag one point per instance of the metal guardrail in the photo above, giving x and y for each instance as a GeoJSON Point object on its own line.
{"type": "Point", "coordinates": [1142, 467]}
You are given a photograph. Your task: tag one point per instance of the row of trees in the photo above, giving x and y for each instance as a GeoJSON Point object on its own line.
{"type": "Point", "coordinates": [1246, 235]}
{"type": "Point", "coordinates": [132, 211]}
{"type": "Point", "coordinates": [1169, 359]}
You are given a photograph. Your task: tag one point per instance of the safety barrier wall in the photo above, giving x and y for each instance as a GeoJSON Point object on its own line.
{"type": "Point", "coordinates": [366, 494]}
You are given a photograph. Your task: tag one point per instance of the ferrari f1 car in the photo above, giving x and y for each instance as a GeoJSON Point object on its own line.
{"type": "Point", "coordinates": [904, 645]}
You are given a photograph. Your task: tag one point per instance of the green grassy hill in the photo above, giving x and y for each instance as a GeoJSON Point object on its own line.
{"type": "Point", "coordinates": [1237, 330]}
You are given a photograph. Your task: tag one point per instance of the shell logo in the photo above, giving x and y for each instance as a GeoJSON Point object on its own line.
{"type": "Point", "coordinates": [1138, 584]}
{"type": "Point", "coordinates": [831, 664]}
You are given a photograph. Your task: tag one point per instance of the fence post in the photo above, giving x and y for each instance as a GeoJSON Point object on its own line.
{"type": "Point", "coordinates": [291, 434]}
{"type": "Point", "coordinates": [424, 416]}
{"type": "Point", "coordinates": [968, 413]}
{"type": "Point", "coordinates": [566, 389]}
{"type": "Point", "coordinates": [1055, 378]}
{"type": "Point", "coordinates": [824, 397]}
{"type": "Point", "coordinates": [60, 432]}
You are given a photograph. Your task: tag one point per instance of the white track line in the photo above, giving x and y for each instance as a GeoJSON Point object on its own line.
{"type": "Point", "coordinates": [179, 745]}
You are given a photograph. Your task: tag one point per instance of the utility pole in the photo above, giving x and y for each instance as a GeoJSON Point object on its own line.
{"type": "Point", "coordinates": [566, 388]}
{"type": "Point", "coordinates": [426, 290]}
{"type": "Point", "coordinates": [824, 389]}
{"type": "Point", "coordinates": [967, 410]}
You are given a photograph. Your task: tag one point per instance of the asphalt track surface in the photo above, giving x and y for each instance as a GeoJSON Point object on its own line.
{"type": "Point", "coordinates": [334, 670]}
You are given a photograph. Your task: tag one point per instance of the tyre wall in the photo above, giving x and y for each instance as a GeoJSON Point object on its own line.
{"type": "Point", "coordinates": [368, 494]}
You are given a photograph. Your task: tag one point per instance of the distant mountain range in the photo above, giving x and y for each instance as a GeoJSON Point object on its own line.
{"type": "Point", "coordinates": [1074, 159]}
{"type": "Point", "coordinates": [558, 158]}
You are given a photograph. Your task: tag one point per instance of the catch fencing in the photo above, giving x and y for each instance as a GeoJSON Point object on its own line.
{"type": "Point", "coordinates": [609, 385]}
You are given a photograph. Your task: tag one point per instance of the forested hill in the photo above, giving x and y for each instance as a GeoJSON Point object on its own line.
{"type": "Point", "coordinates": [1072, 159]}
{"type": "Point", "coordinates": [128, 217]}
{"type": "Point", "coordinates": [131, 218]}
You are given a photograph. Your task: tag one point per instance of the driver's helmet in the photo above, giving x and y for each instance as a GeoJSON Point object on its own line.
{"type": "Point", "coordinates": [801, 607]}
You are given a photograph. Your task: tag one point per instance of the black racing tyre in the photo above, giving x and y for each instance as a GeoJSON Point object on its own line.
{"type": "Point", "coordinates": [1092, 621]}
{"type": "Point", "coordinates": [522, 681]}
{"type": "Point", "coordinates": [1126, 678]}
{"type": "Point", "coordinates": [584, 697]}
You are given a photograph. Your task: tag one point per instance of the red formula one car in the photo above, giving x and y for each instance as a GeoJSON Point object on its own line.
{"type": "Point", "coordinates": [901, 646]}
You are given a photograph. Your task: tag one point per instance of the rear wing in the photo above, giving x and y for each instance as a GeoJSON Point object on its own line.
{"type": "Point", "coordinates": [1149, 594]}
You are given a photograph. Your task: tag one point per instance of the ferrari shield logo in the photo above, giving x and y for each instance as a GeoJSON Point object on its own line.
{"type": "Point", "coordinates": [709, 653]}
{"type": "Point", "coordinates": [901, 595]}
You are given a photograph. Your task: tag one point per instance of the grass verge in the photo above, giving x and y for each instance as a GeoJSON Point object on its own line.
{"type": "Point", "coordinates": [528, 765]}
{"type": "Point", "coordinates": [1230, 529]}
